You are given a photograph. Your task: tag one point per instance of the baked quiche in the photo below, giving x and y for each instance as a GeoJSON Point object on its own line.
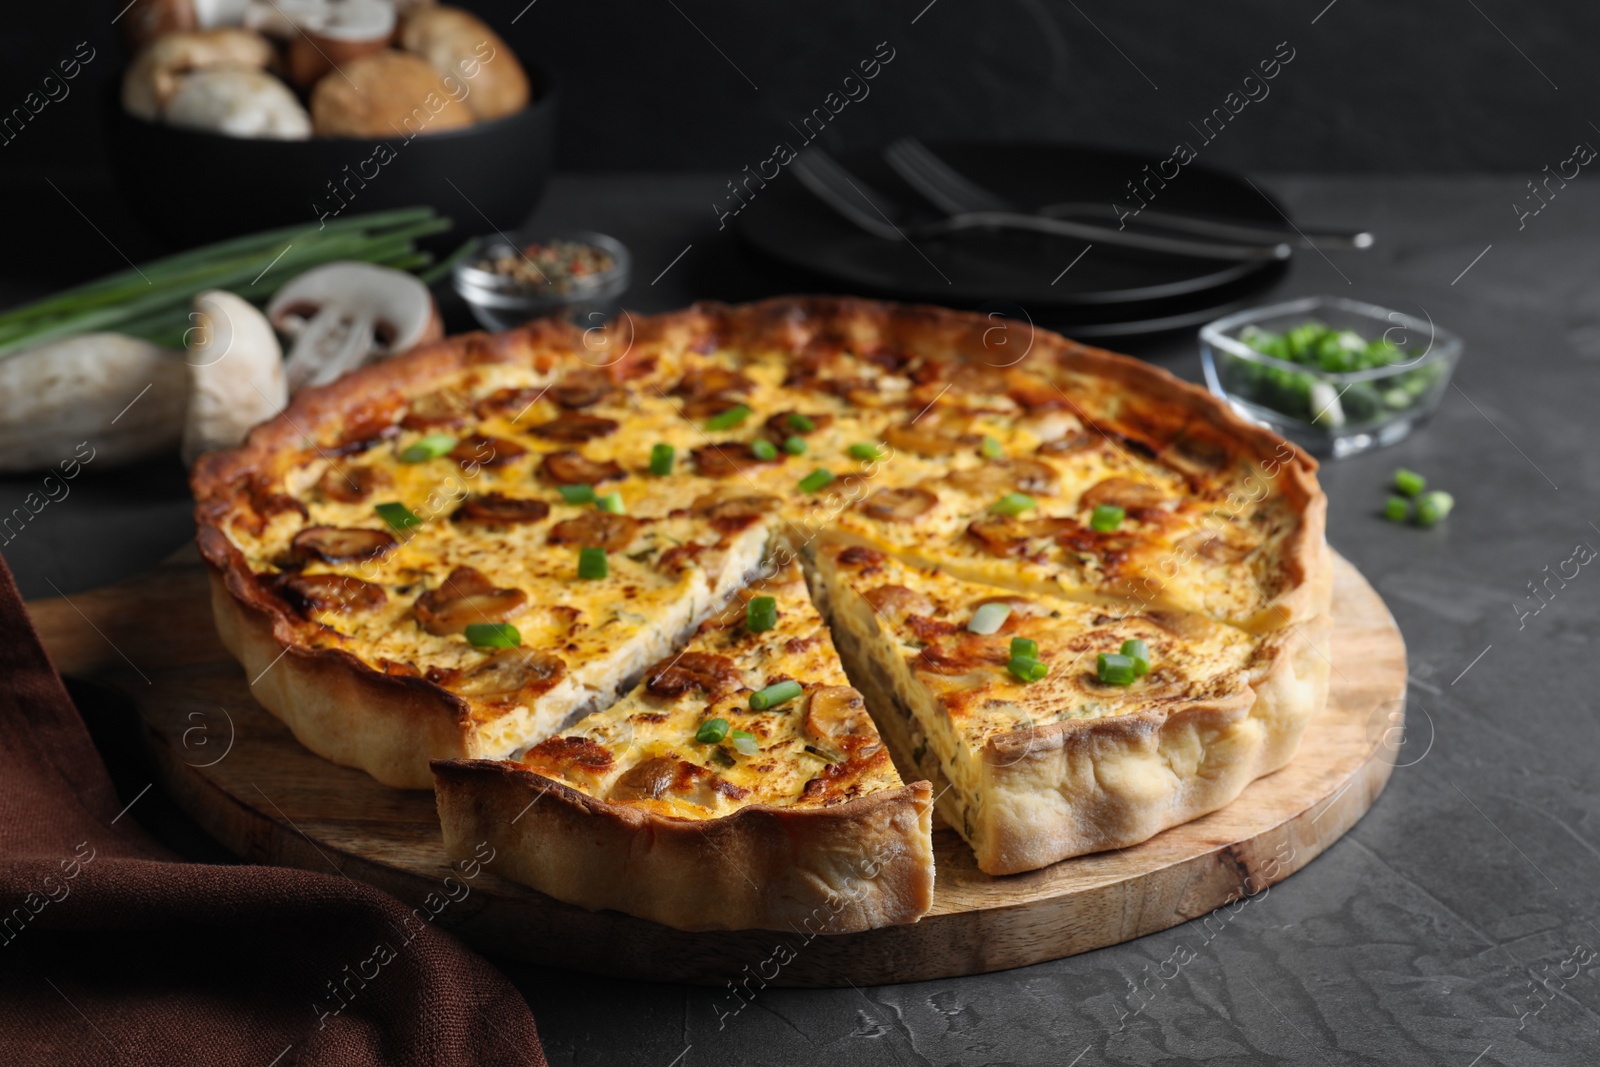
{"type": "Point", "coordinates": [1052, 728]}
{"type": "Point", "coordinates": [449, 558]}
{"type": "Point", "coordinates": [741, 784]}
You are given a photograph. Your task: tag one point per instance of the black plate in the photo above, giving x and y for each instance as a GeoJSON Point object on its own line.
{"type": "Point", "coordinates": [192, 186]}
{"type": "Point", "coordinates": [788, 223]}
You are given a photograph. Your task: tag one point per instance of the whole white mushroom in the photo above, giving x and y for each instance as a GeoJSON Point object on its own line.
{"type": "Point", "coordinates": [239, 102]}
{"type": "Point", "coordinates": [235, 373]}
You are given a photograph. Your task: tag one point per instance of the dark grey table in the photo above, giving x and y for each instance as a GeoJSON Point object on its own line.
{"type": "Point", "coordinates": [1455, 925]}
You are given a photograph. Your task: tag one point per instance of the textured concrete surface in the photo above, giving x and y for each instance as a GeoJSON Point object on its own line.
{"type": "Point", "coordinates": [1457, 924]}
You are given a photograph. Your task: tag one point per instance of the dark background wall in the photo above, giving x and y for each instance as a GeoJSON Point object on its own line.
{"type": "Point", "coordinates": [1427, 85]}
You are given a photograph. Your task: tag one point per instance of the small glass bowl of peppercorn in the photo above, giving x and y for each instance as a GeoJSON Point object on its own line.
{"type": "Point", "coordinates": [1333, 375]}
{"type": "Point", "coordinates": [509, 279]}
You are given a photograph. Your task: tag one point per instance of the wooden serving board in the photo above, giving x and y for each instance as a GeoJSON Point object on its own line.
{"type": "Point", "coordinates": [242, 776]}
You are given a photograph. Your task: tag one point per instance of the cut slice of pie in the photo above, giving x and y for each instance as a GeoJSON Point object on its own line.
{"type": "Point", "coordinates": [742, 784]}
{"type": "Point", "coordinates": [1001, 696]}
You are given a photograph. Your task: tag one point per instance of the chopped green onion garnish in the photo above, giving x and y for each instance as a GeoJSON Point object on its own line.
{"type": "Point", "coordinates": [1139, 652]}
{"type": "Point", "coordinates": [1021, 646]}
{"type": "Point", "coordinates": [1397, 509]}
{"type": "Point", "coordinates": [398, 516]}
{"type": "Point", "coordinates": [763, 449]}
{"type": "Point", "coordinates": [1027, 668]}
{"type": "Point", "coordinates": [794, 445]}
{"type": "Point", "coordinates": [1013, 504]}
{"type": "Point", "coordinates": [611, 502]}
{"type": "Point", "coordinates": [745, 742]}
{"type": "Point", "coordinates": [577, 494]}
{"type": "Point", "coordinates": [493, 635]}
{"type": "Point", "coordinates": [761, 614]}
{"type": "Point", "coordinates": [989, 618]}
{"type": "Point", "coordinates": [1115, 668]}
{"type": "Point", "coordinates": [800, 423]}
{"type": "Point", "coordinates": [1431, 507]}
{"type": "Point", "coordinates": [992, 449]}
{"type": "Point", "coordinates": [592, 563]}
{"type": "Point", "coordinates": [727, 420]}
{"type": "Point", "coordinates": [661, 457]}
{"type": "Point", "coordinates": [865, 453]}
{"type": "Point", "coordinates": [430, 447]}
{"type": "Point", "coordinates": [1107, 517]}
{"type": "Point", "coordinates": [816, 481]}
{"type": "Point", "coordinates": [712, 731]}
{"type": "Point", "coordinates": [773, 695]}
{"type": "Point", "coordinates": [1409, 482]}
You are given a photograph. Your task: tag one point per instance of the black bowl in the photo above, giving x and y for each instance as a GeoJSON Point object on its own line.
{"type": "Point", "coordinates": [191, 186]}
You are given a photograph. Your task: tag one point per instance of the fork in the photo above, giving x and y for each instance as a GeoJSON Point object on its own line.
{"type": "Point", "coordinates": [949, 190]}
{"type": "Point", "coordinates": [880, 215]}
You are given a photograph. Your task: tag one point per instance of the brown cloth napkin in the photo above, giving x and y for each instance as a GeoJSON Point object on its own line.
{"type": "Point", "coordinates": [115, 951]}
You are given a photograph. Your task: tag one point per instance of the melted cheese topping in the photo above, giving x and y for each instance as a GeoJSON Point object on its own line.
{"type": "Point", "coordinates": [816, 750]}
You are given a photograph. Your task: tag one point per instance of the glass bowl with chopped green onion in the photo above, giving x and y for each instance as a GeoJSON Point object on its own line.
{"type": "Point", "coordinates": [511, 278]}
{"type": "Point", "coordinates": [1334, 375]}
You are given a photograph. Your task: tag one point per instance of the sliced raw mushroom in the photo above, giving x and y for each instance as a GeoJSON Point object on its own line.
{"type": "Point", "coordinates": [596, 529]}
{"type": "Point", "coordinates": [235, 373]}
{"type": "Point", "coordinates": [101, 397]}
{"type": "Point", "coordinates": [496, 510]}
{"type": "Point", "coordinates": [157, 73]}
{"type": "Point", "coordinates": [338, 544]}
{"type": "Point", "coordinates": [337, 593]}
{"type": "Point", "coordinates": [239, 102]}
{"type": "Point", "coordinates": [342, 314]}
{"type": "Point", "coordinates": [467, 596]}
{"type": "Point", "coordinates": [513, 673]}
{"type": "Point", "coordinates": [899, 505]}
{"type": "Point", "coordinates": [571, 427]}
{"type": "Point", "coordinates": [351, 485]}
{"type": "Point", "coordinates": [348, 29]}
{"type": "Point", "coordinates": [574, 468]}
{"type": "Point", "coordinates": [705, 671]}
{"type": "Point", "coordinates": [1004, 476]}
{"type": "Point", "coordinates": [486, 451]}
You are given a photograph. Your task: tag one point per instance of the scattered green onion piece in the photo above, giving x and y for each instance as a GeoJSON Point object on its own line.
{"type": "Point", "coordinates": [1013, 504]}
{"type": "Point", "coordinates": [661, 457]}
{"type": "Point", "coordinates": [794, 445]}
{"type": "Point", "coordinates": [816, 481]}
{"type": "Point", "coordinates": [1024, 648]}
{"type": "Point", "coordinates": [727, 420]}
{"type": "Point", "coordinates": [712, 731]}
{"type": "Point", "coordinates": [1107, 517]}
{"type": "Point", "coordinates": [1409, 482]}
{"type": "Point", "coordinates": [577, 494]}
{"type": "Point", "coordinates": [992, 449]}
{"type": "Point", "coordinates": [745, 742]}
{"type": "Point", "coordinates": [611, 502]}
{"type": "Point", "coordinates": [1397, 509]}
{"type": "Point", "coordinates": [1115, 669]}
{"type": "Point", "coordinates": [430, 447]}
{"type": "Point", "coordinates": [761, 614]}
{"type": "Point", "coordinates": [1434, 506]}
{"type": "Point", "coordinates": [1139, 652]}
{"type": "Point", "coordinates": [1027, 668]}
{"type": "Point", "coordinates": [493, 635]}
{"type": "Point", "coordinates": [763, 449]}
{"type": "Point", "coordinates": [988, 618]}
{"type": "Point", "coordinates": [865, 453]}
{"type": "Point", "coordinates": [398, 516]}
{"type": "Point", "coordinates": [801, 423]}
{"type": "Point", "coordinates": [773, 695]}
{"type": "Point", "coordinates": [592, 564]}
